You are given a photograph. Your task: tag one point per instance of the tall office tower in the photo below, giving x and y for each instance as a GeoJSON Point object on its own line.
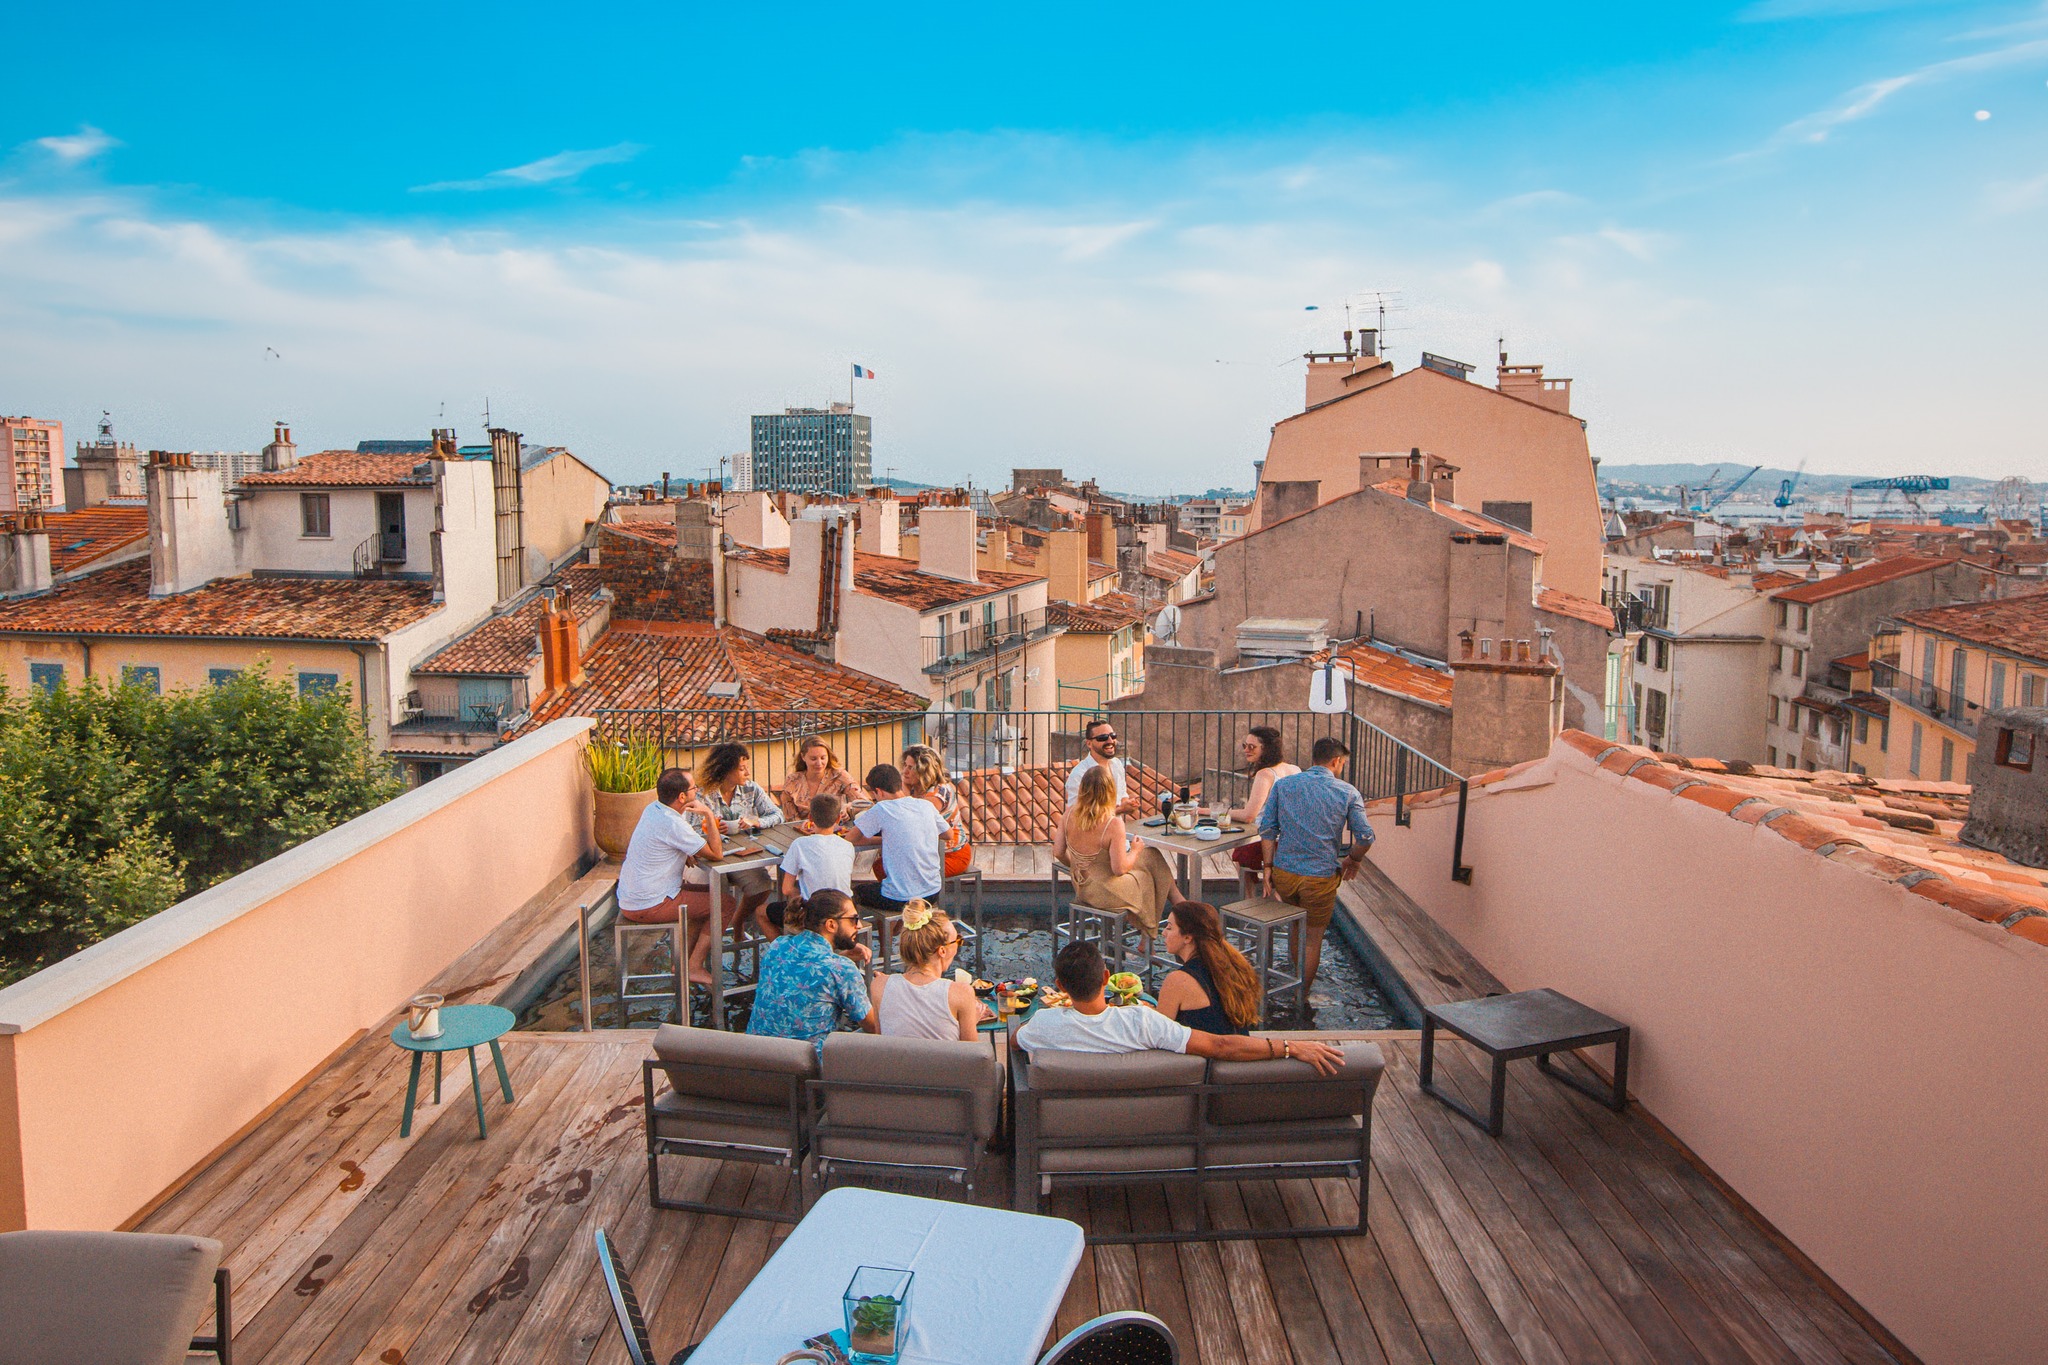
{"type": "Point", "coordinates": [741, 479]}
{"type": "Point", "coordinates": [814, 450]}
{"type": "Point", "coordinates": [31, 458]}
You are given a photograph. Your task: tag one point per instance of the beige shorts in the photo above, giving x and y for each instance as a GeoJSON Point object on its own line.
{"type": "Point", "coordinates": [1317, 895]}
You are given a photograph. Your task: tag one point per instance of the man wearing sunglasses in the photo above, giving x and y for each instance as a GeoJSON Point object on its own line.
{"type": "Point", "coordinates": [808, 988]}
{"type": "Point", "coordinates": [1103, 747]}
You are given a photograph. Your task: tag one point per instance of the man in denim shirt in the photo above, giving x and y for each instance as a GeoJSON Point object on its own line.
{"type": "Point", "coordinates": [807, 989]}
{"type": "Point", "coordinates": [1299, 826]}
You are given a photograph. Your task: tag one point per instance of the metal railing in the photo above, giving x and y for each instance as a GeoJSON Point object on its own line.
{"type": "Point", "coordinates": [1939, 703]}
{"type": "Point", "coordinates": [964, 645]}
{"type": "Point", "coordinates": [464, 704]}
{"type": "Point", "coordinates": [1011, 766]}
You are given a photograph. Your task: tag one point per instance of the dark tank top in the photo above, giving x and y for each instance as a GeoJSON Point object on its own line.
{"type": "Point", "coordinates": [1210, 1018]}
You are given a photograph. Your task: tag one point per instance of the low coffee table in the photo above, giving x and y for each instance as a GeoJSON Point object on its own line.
{"type": "Point", "coordinates": [464, 1028]}
{"type": "Point", "coordinates": [1525, 1024]}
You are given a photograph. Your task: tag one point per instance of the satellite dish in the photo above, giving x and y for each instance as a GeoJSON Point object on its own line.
{"type": "Point", "coordinates": [1329, 692]}
{"type": "Point", "coordinates": [1166, 625]}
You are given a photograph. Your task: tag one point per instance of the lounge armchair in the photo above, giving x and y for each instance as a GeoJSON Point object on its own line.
{"type": "Point", "coordinates": [910, 1106]}
{"type": "Point", "coordinates": [1125, 1338]}
{"type": "Point", "coordinates": [1094, 1119]}
{"type": "Point", "coordinates": [731, 1097]}
{"type": "Point", "coordinates": [109, 1298]}
{"type": "Point", "coordinates": [626, 1307]}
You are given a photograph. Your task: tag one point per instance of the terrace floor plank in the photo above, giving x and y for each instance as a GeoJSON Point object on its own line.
{"type": "Point", "coordinates": [1580, 1235]}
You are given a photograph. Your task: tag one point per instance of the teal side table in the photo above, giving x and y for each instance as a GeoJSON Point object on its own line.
{"type": "Point", "coordinates": [463, 1028]}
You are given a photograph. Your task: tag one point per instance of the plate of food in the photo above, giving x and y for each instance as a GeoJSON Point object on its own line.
{"type": "Point", "coordinates": [1054, 1000]}
{"type": "Point", "coordinates": [1124, 987]}
{"type": "Point", "coordinates": [984, 988]}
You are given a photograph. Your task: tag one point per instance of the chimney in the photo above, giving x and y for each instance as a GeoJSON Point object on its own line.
{"type": "Point", "coordinates": [560, 648]}
{"type": "Point", "coordinates": [24, 554]}
{"type": "Point", "coordinates": [280, 454]}
{"type": "Point", "coordinates": [697, 542]}
{"type": "Point", "coordinates": [1527, 383]}
{"type": "Point", "coordinates": [946, 543]}
{"type": "Point", "coordinates": [2008, 777]}
{"type": "Point", "coordinates": [444, 447]}
{"type": "Point", "coordinates": [508, 492]}
{"type": "Point", "coordinates": [1507, 706]}
{"type": "Point", "coordinates": [189, 541]}
{"type": "Point", "coordinates": [1066, 566]}
{"type": "Point", "coordinates": [819, 545]}
{"type": "Point", "coordinates": [1101, 539]}
{"type": "Point", "coordinates": [881, 524]}
{"type": "Point", "coordinates": [1419, 488]}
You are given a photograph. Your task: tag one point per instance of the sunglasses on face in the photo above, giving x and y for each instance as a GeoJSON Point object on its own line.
{"type": "Point", "coordinates": [1102, 739]}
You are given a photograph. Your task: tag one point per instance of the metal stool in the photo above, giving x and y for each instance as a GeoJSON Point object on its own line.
{"type": "Point", "coordinates": [623, 932]}
{"type": "Point", "coordinates": [1251, 925]}
{"type": "Point", "coordinates": [1122, 946]}
{"type": "Point", "coordinates": [970, 878]}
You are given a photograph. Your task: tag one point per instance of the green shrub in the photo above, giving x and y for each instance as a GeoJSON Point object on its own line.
{"type": "Point", "coordinates": [623, 766]}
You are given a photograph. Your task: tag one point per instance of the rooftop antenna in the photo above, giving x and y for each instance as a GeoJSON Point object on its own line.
{"type": "Point", "coordinates": [487, 412]}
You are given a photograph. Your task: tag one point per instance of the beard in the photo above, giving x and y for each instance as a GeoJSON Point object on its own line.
{"type": "Point", "coordinates": [843, 936]}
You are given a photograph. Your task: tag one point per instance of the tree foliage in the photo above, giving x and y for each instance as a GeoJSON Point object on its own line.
{"type": "Point", "coordinates": [115, 803]}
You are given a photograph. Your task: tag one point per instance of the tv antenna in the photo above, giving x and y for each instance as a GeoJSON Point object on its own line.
{"type": "Point", "coordinates": [487, 412]}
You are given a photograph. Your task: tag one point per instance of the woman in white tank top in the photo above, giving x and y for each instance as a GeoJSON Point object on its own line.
{"type": "Point", "coordinates": [924, 1002]}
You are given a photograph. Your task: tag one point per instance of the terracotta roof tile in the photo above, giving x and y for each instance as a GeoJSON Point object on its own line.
{"type": "Point", "coordinates": [1372, 666]}
{"type": "Point", "coordinates": [2017, 625]}
{"type": "Point", "coordinates": [116, 601]}
{"type": "Point", "coordinates": [1024, 805]}
{"type": "Point", "coordinates": [92, 533]}
{"type": "Point", "coordinates": [1907, 832]}
{"type": "Point", "coordinates": [670, 666]}
{"type": "Point", "coordinates": [1584, 609]}
{"type": "Point", "coordinates": [348, 469]}
{"type": "Point", "coordinates": [651, 532]}
{"type": "Point", "coordinates": [899, 580]}
{"type": "Point", "coordinates": [1171, 563]}
{"type": "Point", "coordinates": [1107, 614]}
{"type": "Point", "coordinates": [1850, 580]}
{"type": "Point", "coordinates": [509, 642]}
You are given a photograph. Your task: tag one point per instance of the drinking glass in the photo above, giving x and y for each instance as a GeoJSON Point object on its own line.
{"type": "Point", "coordinates": [877, 1303]}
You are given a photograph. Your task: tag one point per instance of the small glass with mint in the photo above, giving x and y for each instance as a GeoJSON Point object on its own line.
{"type": "Point", "coordinates": [877, 1305]}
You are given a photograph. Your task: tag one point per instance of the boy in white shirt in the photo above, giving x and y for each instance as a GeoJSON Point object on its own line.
{"type": "Point", "coordinates": [819, 859]}
{"type": "Point", "coordinates": [912, 834]}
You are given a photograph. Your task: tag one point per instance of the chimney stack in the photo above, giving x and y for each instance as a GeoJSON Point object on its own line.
{"type": "Point", "coordinates": [280, 454]}
{"type": "Point", "coordinates": [190, 544]}
{"type": "Point", "coordinates": [881, 524]}
{"type": "Point", "coordinates": [24, 554]}
{"type": "Point", "coordinates": [1066, 566]}
{"type": "Point", "coordinates": [1420, 490]}
{"type": "Point", "coordinates": [946, 543]}
{"type": "Point", "coordinates": [561, 647]}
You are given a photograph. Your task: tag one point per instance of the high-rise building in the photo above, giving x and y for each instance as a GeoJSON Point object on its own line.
{"type": "Point", "coordinates": [814, 450]}
{"type": "Point", "coordinates": [31, 458]}
{"type": "Point", "coordinates": [742, 477]}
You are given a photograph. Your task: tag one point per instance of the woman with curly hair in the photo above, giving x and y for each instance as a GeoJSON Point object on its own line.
{"type": "Point", "coordinates": [922, 1001]}
{"type": "Point", "coordinates": [742, 805]}
{"type": "Point", "coordinates": [924, 774]}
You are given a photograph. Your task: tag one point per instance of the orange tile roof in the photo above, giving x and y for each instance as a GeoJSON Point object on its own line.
{"type": "Point", "coordinates": [1774, 578]}
{"type": "Point", "coordinates": [1106, 615]}
{"type": "Point", "coordinates": [1024, 805]}
{"type": "Point", "coordinates": [1879, 571]}
{"type": "Point", "coordinates": [1901, 832]}
{"type": "Point", "coordinates": [670, 666]}
{"type": "Point", "coordinates": [1451, 511]}
{"type": "Point", "coordinates": [348, 469]}
{"type": "Point", "coordinates": [509, 642]}
{"type": "Point", "coordinates": [898, 580]}
{"type": "Point", "coordinates": [116, 601]}
{"type": "Point", "coordinates": [652, 532]}
{"type": "Point", "coordinates": [78, 538]}
{"type": "Point", "coordinates": [1389, 672]}
{"type": "Point", "coordinates": [2016, 625]}
{"type": "Point", "coordinates": [1171, 563]}
{"type": "Point", "coordinates": [1581, 608]}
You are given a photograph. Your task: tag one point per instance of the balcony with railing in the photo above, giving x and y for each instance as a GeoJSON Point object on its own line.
{"type": "Point", "coordinates": [482, 706]}
{"type": "Point", "coordinates": [1930, 699]}
{"type": "Point", "coordinates": [959, 646]}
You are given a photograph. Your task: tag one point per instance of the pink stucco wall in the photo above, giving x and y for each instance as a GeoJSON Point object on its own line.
{"type": "Point", "coordinates": [123, 1066]}
{"type": "Point", "coordinates": [1862, 1065]}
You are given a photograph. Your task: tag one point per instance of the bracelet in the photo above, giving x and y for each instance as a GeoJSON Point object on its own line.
{"type": "Point", "coordinates": [1287, 1049]}
{"type": "Point", "coordinates": [1269, 1049]}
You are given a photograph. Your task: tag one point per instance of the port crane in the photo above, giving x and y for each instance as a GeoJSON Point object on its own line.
{"type": "Point", "coordinates": [1787, 487]}
{"type": "Point", "coordinates": [1910, 488]}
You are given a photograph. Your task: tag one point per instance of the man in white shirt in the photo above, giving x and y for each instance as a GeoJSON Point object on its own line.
{"type": "Point", "coordinates": [912, 834]}
{"type": "Point", "coordinates": [1092, 1024]}
{"type": "Point", "coordinates": [1102, 753]}
{"type": "Point", "coordinates": [651, 889]}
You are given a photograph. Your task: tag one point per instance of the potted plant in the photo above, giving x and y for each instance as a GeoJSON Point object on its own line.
{"type": "Point", "coordinates": [877, 1303]}
{"type": "Point", "coordinates": [622, 773]}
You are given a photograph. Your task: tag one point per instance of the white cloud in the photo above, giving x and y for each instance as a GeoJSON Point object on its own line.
{"type": "Point", "coordinates": [1773, 11]}
{"type": "Point", "coordinates": [1868, 98]}
{"type": "Point", "coordinates": [2015, 196]}
{"type": "Point", "coordinates": [546, 171]}
{"type": "Point", "coordinates": [74, 148]}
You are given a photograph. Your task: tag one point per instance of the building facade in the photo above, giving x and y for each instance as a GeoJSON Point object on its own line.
{"type": "Point", "coordinates": [31, 461]}
{"type": "Point", "coordinates": [813, 450]}
{"type": "Point", "coordinates": [1696, 674]}
{"type": "Point", "coordinates": [1946, 668]}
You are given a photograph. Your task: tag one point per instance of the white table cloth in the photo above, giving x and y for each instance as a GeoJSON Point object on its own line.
{"type": "Point", "coordinates": [988, 1285]}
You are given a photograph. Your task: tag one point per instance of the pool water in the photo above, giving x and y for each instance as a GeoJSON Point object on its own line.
{"type": "Point", "coordinates": [1018, 943]}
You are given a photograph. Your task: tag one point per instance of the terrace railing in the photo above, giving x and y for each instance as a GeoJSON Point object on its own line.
{"type": "Point", "coordinates": [1931, 699]}
{"type": "Point", "coordinates": [1011, 766]}
{"type": "Point", "coordinates": [962, 645]}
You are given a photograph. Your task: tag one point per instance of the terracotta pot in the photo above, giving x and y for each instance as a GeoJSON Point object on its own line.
{"type": "Point", "coordinates": [617, 814]}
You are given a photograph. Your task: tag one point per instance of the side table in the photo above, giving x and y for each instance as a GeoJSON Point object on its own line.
{"type": "Point", "coordinates": [1525, 1024]}
{"type": "Point", "coordinates": [463, 1028]}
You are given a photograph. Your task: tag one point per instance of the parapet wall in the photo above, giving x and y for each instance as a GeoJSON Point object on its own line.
{"type": "Point", "coordinates": [125, 1065]}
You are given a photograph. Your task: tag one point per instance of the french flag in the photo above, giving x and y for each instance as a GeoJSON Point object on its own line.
{"type": "Point", "coordinates": [862, 372]}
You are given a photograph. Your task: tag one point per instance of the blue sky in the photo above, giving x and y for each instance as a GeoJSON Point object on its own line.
{"type": "Point", "coordinates": [1793, 229]}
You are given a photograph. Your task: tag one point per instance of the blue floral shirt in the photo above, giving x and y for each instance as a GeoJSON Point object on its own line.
{"type": "Point", "coordinates": [806, 990]}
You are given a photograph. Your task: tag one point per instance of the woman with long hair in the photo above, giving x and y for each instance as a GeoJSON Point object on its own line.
{"type": "Point", "coordinates": [817, 773]}
{"type": "Point", "coordinates": [1261, 749]}
{"type": "Point", "coordinates": [924, 774]}
{"type": "Point", "coordinates": [1215, 989]}
{"type": "Point", "coordinates": [742, 805]}
{"type": "Point", "coordinates": [922, 1001]}
{"type": "Point", "coordinates": [1108, 873]}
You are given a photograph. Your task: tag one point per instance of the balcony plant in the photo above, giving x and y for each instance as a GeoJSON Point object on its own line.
{"type": "Point", "coordinates": [622, 777]}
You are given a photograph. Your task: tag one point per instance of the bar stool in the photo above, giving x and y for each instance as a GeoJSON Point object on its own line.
{"type": "Point", "coordinates": [970, 879]}
{"type": "Point", "coordinates": [624, 932]}
{"type": "Point", "coordinates": [1252, 925]}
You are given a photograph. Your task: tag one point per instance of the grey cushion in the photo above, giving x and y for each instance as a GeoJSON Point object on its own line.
{"type": "Point", "coordinates": [710, 1119]}
{"type": "Point", "coordinates": [1363, 1064]}
{"type": "Point", "coordinates": [733, 1066]}
{"type": "Point", "coordinates": [912, 1061]}
{"type": "Point", "coordinates": [1114, 1116]}
{"type": "Point", "coordinates": [1260, 1144]}
{"type": "Point", "coordinates": [102, 1298]}
{"type": "Point", "coordinates": [1115, 1160]}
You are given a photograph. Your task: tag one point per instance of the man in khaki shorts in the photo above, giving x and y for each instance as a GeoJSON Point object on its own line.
{"type": "Point", "coordinates": [1299, 826]}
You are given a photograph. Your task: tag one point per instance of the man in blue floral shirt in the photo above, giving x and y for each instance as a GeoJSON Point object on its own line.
{"type": "Point", "coordinates": [807, 989]}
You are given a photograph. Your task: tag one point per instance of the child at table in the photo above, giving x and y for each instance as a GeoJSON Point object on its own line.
{"type": "Point", "coordinates": [819, 859]}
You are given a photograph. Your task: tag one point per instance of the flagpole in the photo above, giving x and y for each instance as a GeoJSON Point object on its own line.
{"type": "Point", "coordinates": [849, 385]}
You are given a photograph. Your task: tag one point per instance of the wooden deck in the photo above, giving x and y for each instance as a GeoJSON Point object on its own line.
{"type": "Point", "coordinates": [1581, 1235]}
